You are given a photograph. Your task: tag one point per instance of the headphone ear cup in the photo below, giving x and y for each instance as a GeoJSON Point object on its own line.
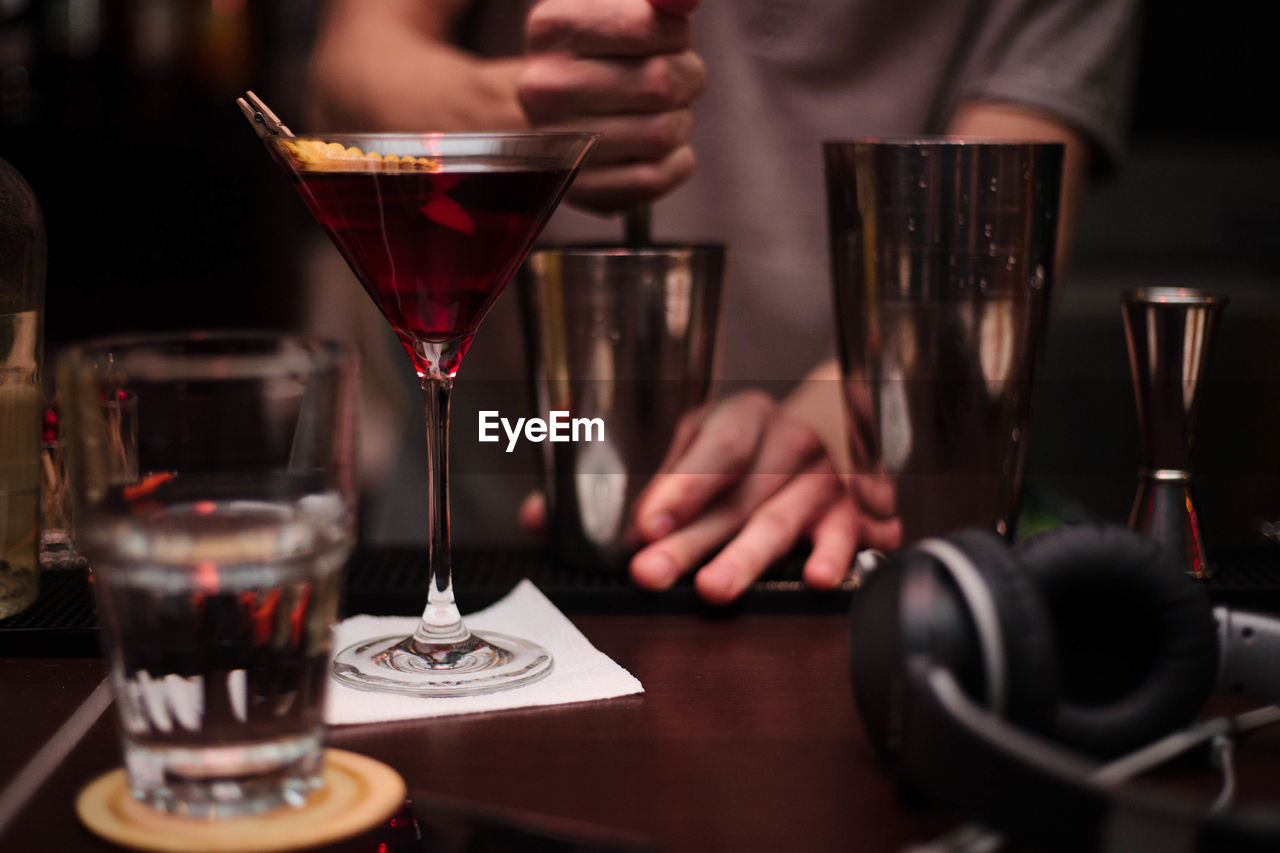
{"type": "Point", "coordinates": [1030, 659]}
{"type": "Point", "coordinates": [1135, 636]}
{"type": "Point", "coordinates": [915, 604]}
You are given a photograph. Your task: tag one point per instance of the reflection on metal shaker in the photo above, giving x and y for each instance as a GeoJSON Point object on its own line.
{"type": "Point", "coordinates": [626, 335]}
{"type": "Point", "coordinates": [942, 262]}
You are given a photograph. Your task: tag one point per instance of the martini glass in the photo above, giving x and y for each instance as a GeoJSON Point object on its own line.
{"type": "Point", "coordinates": [433, 225]}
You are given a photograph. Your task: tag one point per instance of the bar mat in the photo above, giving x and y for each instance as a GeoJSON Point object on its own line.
{"type": "Point", "coordinates": [61, 622]}
{"type": "Point", "coordinates": [393, 582]}
{"type": "Point", "coordinates": [1246, 576]}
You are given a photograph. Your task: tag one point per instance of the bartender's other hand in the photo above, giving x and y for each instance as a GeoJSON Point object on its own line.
{"type": "Point", "coordinates": [625, 69]}
{"type": "Point", "coordinates": [747, 473]}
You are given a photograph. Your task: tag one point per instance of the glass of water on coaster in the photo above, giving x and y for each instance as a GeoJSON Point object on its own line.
{"type": "Point", "coordinates": [217, 557]}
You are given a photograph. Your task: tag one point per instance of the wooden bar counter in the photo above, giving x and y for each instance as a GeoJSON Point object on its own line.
{"type": "Point", "coordinates": [746, 738]}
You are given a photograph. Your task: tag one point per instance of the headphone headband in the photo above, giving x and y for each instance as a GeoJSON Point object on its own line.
{"type": "Point", "coordinates": [982, 608]}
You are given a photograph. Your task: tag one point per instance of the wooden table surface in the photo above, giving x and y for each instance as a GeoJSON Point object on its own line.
{"type": "Point", "coordinates": [746, 738]}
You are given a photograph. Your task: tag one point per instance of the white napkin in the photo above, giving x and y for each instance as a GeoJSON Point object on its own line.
{"type": "Point", "coordinates": [580, 672]}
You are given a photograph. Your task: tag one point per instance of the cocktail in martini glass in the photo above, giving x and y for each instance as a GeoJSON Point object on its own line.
{"type": "Point", "coordinates": [433, 225]}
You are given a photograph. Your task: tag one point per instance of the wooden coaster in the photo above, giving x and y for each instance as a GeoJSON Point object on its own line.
{"type": "Point", "coordinates": [358, 793]}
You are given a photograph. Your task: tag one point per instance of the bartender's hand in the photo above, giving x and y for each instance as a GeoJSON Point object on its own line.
{"type": "Point", "coordinates": [623, 68]}
{"type": "Point", "coordinates": [747, 474]}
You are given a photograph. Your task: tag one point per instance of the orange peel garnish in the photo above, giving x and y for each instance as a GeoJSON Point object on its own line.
{"type": "Point", "coordinates": [147, 485]}
{"type": "Point", "coordinates": [316, 155]}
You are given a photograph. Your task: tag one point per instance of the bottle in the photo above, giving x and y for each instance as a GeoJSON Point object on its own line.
{"type": "Point", "coordinates": [22, 270]}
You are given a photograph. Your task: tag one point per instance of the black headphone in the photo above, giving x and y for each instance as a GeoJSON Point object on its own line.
{"type": "Point", "coordinates": [986, 674]}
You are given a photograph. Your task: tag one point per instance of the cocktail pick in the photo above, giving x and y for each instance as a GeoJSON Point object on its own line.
{"type": "Point", "coordinates": [264, 121]}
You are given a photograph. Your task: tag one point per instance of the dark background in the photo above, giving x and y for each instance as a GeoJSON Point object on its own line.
{"type": "Point", "coordinates": [161, 208]}
{"type": "Point", "coordinates": [1195, 204]}
{"type": "Point", "coordinates": [163, 212]}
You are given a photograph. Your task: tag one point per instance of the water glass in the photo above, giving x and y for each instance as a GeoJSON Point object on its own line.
{"type": "Point", "coordinates": [217, 541]}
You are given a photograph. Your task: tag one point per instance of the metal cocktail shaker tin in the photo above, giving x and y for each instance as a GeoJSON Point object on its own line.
{"type": "Point", "coordinates": [943, 261]}
{"type": "Point", "coordinates": [626, 336]}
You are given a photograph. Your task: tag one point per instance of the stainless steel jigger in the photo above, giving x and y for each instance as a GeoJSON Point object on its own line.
{"type": "Point", "coordinates": [1169, 331]}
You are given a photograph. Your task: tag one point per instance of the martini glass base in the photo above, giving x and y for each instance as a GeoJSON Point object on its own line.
{"type": "Point", "coordinates": [482, 663]}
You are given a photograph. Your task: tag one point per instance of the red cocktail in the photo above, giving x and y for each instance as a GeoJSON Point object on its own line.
{"type": "Point", "coordinates": [433, 225]}
{"type": "Point", "coordinates": [433, 248]}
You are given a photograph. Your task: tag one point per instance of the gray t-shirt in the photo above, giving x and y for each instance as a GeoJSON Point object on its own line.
{"type": "Point", "coordinates": [783, 76]}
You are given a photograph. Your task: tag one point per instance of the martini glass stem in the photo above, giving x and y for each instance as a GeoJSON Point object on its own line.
{"type": "Point", "coordinates": [441, 622]}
